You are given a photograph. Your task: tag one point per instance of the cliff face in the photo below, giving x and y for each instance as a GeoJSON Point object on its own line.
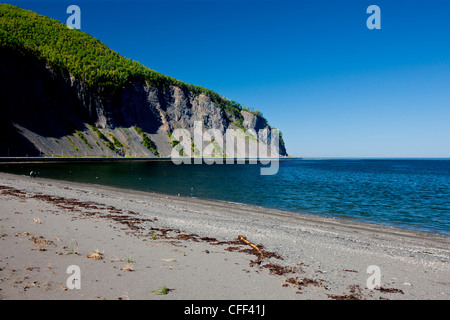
{"type": "Point", "coordinates": [46, 112]}
{"type": "Point", "coordinates": [64, 93]}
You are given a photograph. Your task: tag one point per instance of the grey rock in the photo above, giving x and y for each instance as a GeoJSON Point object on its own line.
{"type": "Point", "coordinates": [42, 110]}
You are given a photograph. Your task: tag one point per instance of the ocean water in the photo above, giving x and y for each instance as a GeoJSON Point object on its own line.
{"type": "Point", "coordinates": [412, 194]}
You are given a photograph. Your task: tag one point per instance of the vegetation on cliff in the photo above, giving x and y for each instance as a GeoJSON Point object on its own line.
{"type": "Point", "coordinates": [146, 141]}
{"type": "Point", "coordinates": [73, 52]}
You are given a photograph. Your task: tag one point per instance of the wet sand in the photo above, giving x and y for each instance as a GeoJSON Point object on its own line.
{"type": "Point", "coordinates": [146, 242]}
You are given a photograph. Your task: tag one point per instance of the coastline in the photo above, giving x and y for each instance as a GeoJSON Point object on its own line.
{"type": "Point", "coordinates": [430, 225]}
{"type": "Point", "coordinates": [332, 254]}
{"type": "Point", "coordinates": [88, 159]}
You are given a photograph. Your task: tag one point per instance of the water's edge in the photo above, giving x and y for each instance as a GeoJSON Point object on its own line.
{"type": "Point", "coordinates": [210, 184]}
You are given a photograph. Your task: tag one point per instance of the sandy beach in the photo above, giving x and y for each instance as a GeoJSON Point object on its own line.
{"type": "Point", "coordinates": [138, 245]}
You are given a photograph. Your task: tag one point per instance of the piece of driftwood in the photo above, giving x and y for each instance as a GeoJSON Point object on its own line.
{"type": "Point", "coordinates": [254, 246]}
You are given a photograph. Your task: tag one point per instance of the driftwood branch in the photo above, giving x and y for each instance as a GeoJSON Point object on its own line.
{"type": "Point", "coordinates": [254, 246]}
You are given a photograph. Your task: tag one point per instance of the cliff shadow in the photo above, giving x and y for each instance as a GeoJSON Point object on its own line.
{"type": "Point", "coordinates": [37, 98]}
{"type": "Point", "coordinates": [14, 144]}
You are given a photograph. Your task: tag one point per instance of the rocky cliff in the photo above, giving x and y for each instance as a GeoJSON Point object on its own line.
{"type": "Point", "coordinates": [48, 109]}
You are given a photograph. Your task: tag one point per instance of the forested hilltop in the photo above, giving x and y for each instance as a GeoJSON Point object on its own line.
{"type": "Point", "coordinates": [102, 89]}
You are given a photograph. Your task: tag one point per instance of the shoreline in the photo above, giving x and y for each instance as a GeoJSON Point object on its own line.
{"type": "Point", "coordinates": [332, 252]}
{"type": "Point", "coordinates": [4, 160]}
{"type": "Point", "coordinates": [283, 158]}
{"type": "Point", "coordinates": [347, 219]}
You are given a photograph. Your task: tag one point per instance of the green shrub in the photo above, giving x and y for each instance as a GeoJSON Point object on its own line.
{"type": "Point", "coordinates": [106, 141]}
{"type": "Point", "coordinates": [117, 143]}
{"type": "Point", "coordinates": [146, 141]}
{"type": "Point", "coordinates": [83, 138]}
{"type": "Point", "coordinates": [73, 144]}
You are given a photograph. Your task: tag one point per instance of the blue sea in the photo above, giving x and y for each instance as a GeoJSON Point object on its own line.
{"type": "Point", "coordinates": [412, 194]}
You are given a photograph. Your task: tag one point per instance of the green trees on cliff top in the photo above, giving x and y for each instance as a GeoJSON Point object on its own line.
{"type": "Point", "coordinates": [74, 52]}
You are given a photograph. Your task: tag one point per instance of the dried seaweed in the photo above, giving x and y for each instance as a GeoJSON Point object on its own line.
{"type": "Point", "coordinates": [280, 270]}
{"type": "Point", "coordinates": [389, 290]}
{"type": "Point", "coordinates": [345, 297]}
{"type": "Point", "coordinates": [305, 282]}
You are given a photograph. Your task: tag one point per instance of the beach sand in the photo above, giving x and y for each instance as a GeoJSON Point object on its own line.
{"type": "Point", "coordinates": [147, 241]}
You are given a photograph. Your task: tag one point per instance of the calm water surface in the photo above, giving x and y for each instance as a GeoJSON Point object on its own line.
{"type": "Point", "coordinates": [413, 194]}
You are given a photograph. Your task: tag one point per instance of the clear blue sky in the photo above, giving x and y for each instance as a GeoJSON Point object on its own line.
{"type": "Point", "coordinates": [334, 87]}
